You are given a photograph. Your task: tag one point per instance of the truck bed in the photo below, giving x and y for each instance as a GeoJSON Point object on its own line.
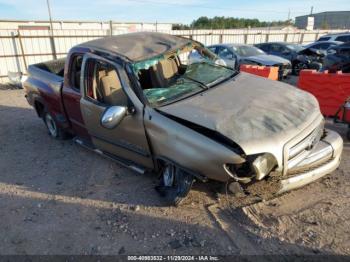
{"type": "Point", "coordinates": [52, 70]}
{"type": "Point", "coordinates": [45, 80]}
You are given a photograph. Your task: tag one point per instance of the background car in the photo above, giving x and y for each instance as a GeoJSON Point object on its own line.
{"type": "Point", "coordinates": [323, 45]}
{"type": "Point", "coordinates": [342, 37]}
{"type": "Point", "coordinates": [286, 50]}
{"type": "Point", "coordinates": [245, 54]}
{"type": "Point", "coordinates": [338, 59]}
{"type": "Point", "coordinates": [308, 58]}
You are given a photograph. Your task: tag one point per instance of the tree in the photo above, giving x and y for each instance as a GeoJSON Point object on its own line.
{"type": "Point", "coordinates": [221, 22]}
{"type": "Point", "coordinates": [180, 27]}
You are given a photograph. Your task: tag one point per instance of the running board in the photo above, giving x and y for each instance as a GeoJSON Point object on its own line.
{"type": "Point", "coordinates": [121, 162]}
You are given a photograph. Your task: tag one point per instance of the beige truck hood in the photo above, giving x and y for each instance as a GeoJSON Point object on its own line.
{"type": "Point", "coordinates": [258, 114]}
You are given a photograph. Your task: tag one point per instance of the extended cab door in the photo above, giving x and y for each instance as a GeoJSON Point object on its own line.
{"type": "Point", "coordinates": [106, 89]}
{"type": "Point", "coordinates": [71, 95]}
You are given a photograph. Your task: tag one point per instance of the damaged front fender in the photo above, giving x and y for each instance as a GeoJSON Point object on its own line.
{"type": "Point", "coordinates": [192, 150]}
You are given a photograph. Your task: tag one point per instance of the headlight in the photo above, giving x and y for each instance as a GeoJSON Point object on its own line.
{"type": "Point", "coordinates": [263, 165]}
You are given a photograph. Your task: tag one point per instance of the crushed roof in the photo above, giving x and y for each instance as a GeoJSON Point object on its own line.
{"type": "Point", "coordinates": [138, 46]}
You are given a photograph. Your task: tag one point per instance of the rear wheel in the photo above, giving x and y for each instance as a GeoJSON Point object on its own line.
{"type": "Point", "coordinates": [54, 130]}
{"type": "Point", "coordinates": [175, 184]}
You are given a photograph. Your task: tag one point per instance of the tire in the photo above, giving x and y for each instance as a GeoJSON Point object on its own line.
{"type": "Point", "coordinates": [298, 66]}
{"type": "Point", "coordinates": [175, 184]}
{"type": "Point", "coordinates": [53, 129]}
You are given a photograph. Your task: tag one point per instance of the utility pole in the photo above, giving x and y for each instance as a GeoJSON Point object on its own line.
{"type": "Point", "coordinates": [288, 14]}
{"type": "Point", "coordinates": [52, 40]}
{"type": "Point", "coordinates": [312, 10]}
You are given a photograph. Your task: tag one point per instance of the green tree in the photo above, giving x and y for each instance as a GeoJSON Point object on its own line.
{"type": "Point", "coordinates": [221, 22]}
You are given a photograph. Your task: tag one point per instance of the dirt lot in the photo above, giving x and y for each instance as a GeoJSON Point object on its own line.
{"type": "Point", "coordinates": [58, 198]}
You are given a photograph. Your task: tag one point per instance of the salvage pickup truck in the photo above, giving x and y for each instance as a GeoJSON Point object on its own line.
{"type": "Point", "coordinates": [137, 99]}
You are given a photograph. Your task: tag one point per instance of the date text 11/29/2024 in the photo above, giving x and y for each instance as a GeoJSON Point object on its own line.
{"type": "Point", "coordinates": [174, 258]}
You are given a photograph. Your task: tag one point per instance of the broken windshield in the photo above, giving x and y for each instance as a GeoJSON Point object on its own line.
{"type": "Point", "coordinates": [179, 74]}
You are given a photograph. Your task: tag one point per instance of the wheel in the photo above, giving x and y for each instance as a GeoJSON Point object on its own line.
{"type": "Point", "coordinates": [298, 66]}
{"type": "Point", "coordinates": [175, 184]}
{"type": "Point", "coordinates": [54, 130]}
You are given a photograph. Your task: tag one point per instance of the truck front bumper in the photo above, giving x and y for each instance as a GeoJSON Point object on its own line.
{"type": "Point", "coordinates": [322, 160]}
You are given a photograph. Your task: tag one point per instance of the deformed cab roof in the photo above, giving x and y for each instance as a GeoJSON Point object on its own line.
{"type": "Point", "coordinates": [138, 46]}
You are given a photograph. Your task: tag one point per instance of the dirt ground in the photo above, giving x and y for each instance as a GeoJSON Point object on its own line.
{"type": "Point", "coordinates": [58, 198]}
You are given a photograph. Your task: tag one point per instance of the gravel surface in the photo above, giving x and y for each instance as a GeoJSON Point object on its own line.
{"type": "Point", "coordinates": [58, 198]}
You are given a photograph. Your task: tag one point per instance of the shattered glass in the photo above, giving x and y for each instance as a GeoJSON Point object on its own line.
{"type": "Point", "coordinates": [199, 74]}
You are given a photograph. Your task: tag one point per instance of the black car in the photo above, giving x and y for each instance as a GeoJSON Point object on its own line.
{"type": "Point", "coordinates": [338, 59]}
{"type": "Point", "coordinates": [308, 58]}
{"type": "Point", "coordinates": [323, 45]}
{"type": "Point", "coordinates": [286, 50]}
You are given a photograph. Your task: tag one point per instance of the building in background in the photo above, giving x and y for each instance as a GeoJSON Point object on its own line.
{"type": "Point", "coordinates": [324, 20]}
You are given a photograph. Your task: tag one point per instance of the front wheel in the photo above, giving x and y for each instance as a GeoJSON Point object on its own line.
{"type": "Point", "coordinates": [175, 184]}
{"type": "Point", "coordinates": [298, 66]}
{"type": "Point", "coordinates": [54, 130]}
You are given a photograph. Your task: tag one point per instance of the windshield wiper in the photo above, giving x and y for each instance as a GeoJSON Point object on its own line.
{"type": "Point", "coordinates": [204, 86]}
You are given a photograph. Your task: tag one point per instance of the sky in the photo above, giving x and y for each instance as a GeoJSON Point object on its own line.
{"type": "Point", "coordinates": [175, 11]}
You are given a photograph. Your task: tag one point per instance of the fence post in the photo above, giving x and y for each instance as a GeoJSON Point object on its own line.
{"type": "Point", "coordinates": [267, 36]}
{"type": "Point", "coordinates": [317, 35]}
{"type": "Point", "coordinates": [22, 49]}
{"type": "Point", "coordinates": [221, 37]}
{"type": "Point", "coordinates": [285, 37]}
{"type": "Point", "coordinates": [301, 38]}
{"type": "Point", "coordinates": [110, 27]}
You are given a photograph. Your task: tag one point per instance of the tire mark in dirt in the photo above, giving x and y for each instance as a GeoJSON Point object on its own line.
{"type": "Point", "coordinates": [236, 234]}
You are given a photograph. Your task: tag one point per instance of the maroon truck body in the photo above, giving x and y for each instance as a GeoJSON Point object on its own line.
{"type": "Point", "coordinates": [59, 96]}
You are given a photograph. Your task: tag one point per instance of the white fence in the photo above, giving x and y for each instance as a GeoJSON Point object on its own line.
{"type": "Point", "coordinates": [20, 48]}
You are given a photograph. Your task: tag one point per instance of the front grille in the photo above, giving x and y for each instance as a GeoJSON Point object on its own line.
{"type": "Point", "coordinates": [307, 169]}
{"type": "Point", "coordinates": [302, 149]}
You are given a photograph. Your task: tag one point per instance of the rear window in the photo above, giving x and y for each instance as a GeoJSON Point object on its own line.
{"type": "Point", "coordinates": [326, 38]}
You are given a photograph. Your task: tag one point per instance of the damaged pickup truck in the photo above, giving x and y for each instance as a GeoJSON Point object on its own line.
{"type": "Point", "coordinates": [137, 99]}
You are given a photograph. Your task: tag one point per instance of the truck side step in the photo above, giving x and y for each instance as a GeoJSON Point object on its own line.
{"type": "Point", "coordinates": [120, 161]}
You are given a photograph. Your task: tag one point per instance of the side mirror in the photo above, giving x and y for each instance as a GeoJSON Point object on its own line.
{"type": "Point", "coordinates": [113, 115]}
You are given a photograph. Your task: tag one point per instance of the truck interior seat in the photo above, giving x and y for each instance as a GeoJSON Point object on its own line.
{"type": "Point", "coordinates": [163, 72]}
{"type": "Point", "coordinates": [111, 89]}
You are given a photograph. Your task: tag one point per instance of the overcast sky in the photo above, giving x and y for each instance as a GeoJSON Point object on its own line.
{"type": "Point", "coordinates": [164, 10]}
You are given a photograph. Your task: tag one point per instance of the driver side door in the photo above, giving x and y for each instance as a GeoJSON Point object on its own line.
{"type": "Point", "coordinates": [105, 89]}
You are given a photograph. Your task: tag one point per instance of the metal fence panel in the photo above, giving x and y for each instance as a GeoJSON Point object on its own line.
{"type": "Point", "coordinates": [20, 48]}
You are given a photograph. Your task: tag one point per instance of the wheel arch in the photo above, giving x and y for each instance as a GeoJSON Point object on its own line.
{"type": "Point", "coordinates": [161, 160]}
{"type": "Point", "coordinates": [39, 107]}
